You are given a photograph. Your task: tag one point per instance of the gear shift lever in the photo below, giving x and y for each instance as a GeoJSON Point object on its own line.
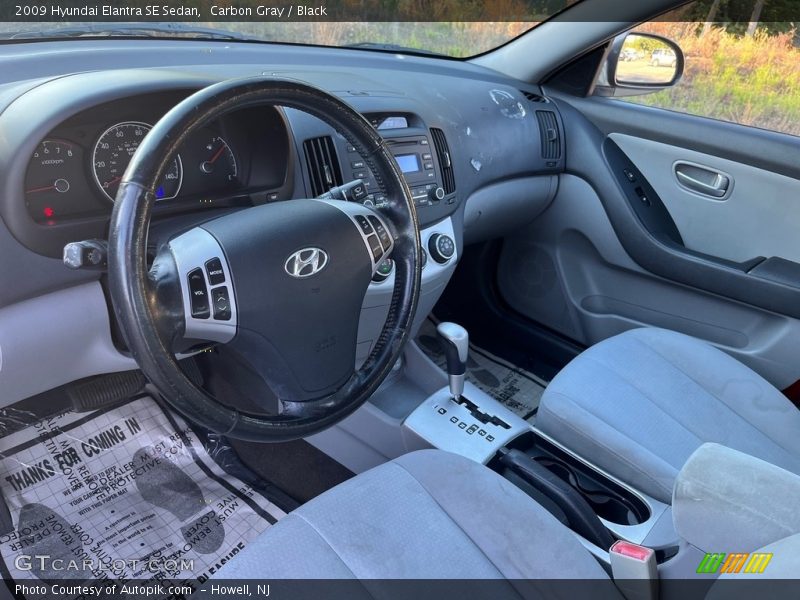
{"type": "Point", "coordinates": [456, 348]}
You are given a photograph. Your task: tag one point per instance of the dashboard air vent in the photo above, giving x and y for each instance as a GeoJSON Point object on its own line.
{"type": "Point", "coordinates": [548, 130]}
{"type": "Point", "coordinates": [445, 164]}
{"type": "Point", "coordinates": [323, 165]}
{"type": "Point", "coordinates": [533, 97]}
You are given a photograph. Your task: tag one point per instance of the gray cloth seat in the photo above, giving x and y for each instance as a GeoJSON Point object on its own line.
{"type": "Point", "coordinates": [426, 515]}
{"type": "Point", "coordinates": [640, 403]}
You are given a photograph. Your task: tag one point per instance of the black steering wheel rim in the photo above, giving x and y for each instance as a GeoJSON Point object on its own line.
{"type": "Point", "coordinates": [142, 311]}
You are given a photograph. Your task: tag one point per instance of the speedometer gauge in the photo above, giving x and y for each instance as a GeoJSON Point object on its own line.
{"type": "Point", "coordinates": [113, 153]}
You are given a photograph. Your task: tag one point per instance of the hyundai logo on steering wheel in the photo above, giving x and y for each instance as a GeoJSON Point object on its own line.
{"type": "Point", "coordinates": [306, 262]}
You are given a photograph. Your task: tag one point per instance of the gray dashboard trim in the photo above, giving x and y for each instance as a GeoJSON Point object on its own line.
{"type": "Point", "coordinates": [25, 61]}
{"type": "Point", "coordinates": [26, 274]}
{"type": "Point", "coordinates": [498, 209]}
{"type": "Point", "coordinates": [55, 339]}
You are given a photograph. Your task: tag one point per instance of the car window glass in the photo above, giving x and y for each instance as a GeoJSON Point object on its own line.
{"type": "Point", "coordinates": [737, 70]}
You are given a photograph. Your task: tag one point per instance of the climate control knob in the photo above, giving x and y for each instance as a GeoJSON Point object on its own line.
{"type": "Point", "coordinates": [441, 247]}
{"type": "Point", "coordinates": [436, 194]}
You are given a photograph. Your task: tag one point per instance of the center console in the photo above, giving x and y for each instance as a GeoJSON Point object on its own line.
{"type": "Point", "coordinates": [421, 406]}
{"type": "Point", "coordinates": [461, 418]}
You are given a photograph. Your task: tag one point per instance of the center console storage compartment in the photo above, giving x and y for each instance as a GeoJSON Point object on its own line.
{"type": "Point", "coordinates": [609, 501]}
{"type": "Point", "coordinates": [574, 492]}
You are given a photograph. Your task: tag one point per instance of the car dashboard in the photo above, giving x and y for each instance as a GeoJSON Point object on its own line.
{"type": "Point", "coordinates": [481, 153]}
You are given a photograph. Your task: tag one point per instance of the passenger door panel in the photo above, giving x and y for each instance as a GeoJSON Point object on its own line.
{"type": "Point", "coordinates": [758, 216]}
{"type": "Point", "coordinates": [681, 260]}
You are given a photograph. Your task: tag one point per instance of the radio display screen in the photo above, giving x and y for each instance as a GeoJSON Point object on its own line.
{"type": "Point", "coordinates": [409, 163]}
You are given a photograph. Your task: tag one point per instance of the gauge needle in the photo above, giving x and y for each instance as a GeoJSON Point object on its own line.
{"type": "Point", "coordinates": [40, 189]}
{"type": "Point", "coordinates": [111, 182]}
{"type": "Point", "coordinates": [208, 166]}
{"type": "Point", "coordinates": [217, 154]}
{"type": "Point", "coordinates": [59, 185]}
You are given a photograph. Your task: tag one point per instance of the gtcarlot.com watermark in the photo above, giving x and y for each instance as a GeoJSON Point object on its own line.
{"type": "Point", "coordinates": [44, 562]}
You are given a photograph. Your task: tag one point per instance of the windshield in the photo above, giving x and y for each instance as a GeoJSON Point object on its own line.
{"type": "Point", "coordinates": [457, 39]}
{"type": "Point", "coordinates": [450, 38]}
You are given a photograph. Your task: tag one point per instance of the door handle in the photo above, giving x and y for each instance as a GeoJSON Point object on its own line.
{"type": "Point", "coordinates": [702, 180]}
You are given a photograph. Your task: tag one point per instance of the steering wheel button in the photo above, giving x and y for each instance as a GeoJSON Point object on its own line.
{"type": "Point", "coordinates": [215, 273]}
{"type": "Point", "coordinates": [386, 240]}
{"type": "Point", "coordinates": [375, 245]}
{"type": "Point", "coordinates": [222, 303]}
{"type": "Point", "coordinates": [198, 295]}
{"type": "Point", "coordinates": [366, 228]}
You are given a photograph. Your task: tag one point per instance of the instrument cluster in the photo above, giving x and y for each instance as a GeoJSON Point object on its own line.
{"type": "Point", "coordinates": [76, 170]}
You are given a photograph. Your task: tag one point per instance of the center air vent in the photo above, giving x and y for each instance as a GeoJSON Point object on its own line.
{"type": "Point", "coordinates": [445, 163]}
{"type": "Point", "coordinates": [548, 130]}
{"type": "Point", "coordinates": [323, 165]}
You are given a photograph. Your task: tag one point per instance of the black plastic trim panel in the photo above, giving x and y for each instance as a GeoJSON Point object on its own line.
{"type": "Point", "coordinates": [641, 196]}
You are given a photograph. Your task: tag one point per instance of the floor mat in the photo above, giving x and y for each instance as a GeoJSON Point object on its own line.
{"type": "Point", "coordinates": [282, 463]}
{"type": "Point", "coordinates": [121, 495]}
{"type": "Point", "coordinates": [516, 388]}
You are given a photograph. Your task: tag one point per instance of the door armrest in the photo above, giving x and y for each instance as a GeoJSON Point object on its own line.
{"type": "Point", "coordinates": [778, 270]}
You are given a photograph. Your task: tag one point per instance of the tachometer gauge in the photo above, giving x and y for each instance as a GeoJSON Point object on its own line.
{"type": "Point", "coordinates": [52, 174]}
{"type": "Point", "coordinates": [113, 153]}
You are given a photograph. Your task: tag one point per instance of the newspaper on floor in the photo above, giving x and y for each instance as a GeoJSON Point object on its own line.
{"type": "Point", "coordinates": [122, 498]}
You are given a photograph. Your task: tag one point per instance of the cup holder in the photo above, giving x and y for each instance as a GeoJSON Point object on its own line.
{"type": "Point", "coordinates": [609, 500]}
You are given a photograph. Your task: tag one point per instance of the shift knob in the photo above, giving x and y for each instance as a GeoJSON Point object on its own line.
{"type": "Point", "coordinates": [455, 340]}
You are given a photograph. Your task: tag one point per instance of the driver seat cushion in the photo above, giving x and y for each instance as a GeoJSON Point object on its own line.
{"type": "Point", "coordinates": [426, 515]}
{"type": "Point", "coordinates": [640, 403]}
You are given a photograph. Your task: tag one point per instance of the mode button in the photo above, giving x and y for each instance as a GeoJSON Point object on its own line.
{"type": "Point", "coordinates": [214, 270]}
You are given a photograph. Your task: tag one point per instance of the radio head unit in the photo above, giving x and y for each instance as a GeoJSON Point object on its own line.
{"type": "Point", "coordinates": [415, 158]}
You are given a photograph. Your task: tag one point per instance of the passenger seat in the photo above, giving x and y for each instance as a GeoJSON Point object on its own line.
{"type": "Point", "coordinates": [640, 403]}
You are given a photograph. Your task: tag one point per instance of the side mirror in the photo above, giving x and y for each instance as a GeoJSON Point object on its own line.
{"type": "Point", "coordinates": [641, 63]}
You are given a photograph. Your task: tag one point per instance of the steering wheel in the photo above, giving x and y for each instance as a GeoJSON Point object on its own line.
{"type": "Point", "coordinates": [280, 284]}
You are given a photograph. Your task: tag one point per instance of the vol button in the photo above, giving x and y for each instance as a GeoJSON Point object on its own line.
{"type": "Point", "coordinates": [198, 295]}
